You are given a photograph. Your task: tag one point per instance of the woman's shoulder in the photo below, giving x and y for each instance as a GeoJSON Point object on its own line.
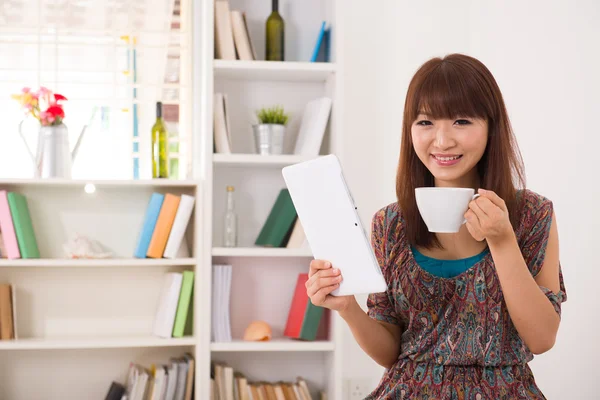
{"type": "Point", "coordinates": [535, 209]}
{"type": "Point", "coordinates": [531, 203]}
{"type": "Point", "coordinates": [387, 215]}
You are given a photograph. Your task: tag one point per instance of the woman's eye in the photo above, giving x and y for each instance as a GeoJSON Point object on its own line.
{"type": "Point", "coordinates": [462, 122]}
{"type": "Point", "coordinates": [424, 123]}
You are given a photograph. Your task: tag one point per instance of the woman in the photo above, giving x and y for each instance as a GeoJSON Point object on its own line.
{"type": "Point", "coordinates": [463, 312]}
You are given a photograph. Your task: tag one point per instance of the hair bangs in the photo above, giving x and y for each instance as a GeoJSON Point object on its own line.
{"type": "Point", "coordinates": [444, 93]}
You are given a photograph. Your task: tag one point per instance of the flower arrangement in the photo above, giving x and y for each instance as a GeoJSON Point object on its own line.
{"type": "Point", "coordinates": [273, 115]}
{"type": "Point", "coordinates": [43, 105]}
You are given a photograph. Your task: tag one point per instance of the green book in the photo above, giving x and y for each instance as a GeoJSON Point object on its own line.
{"type": "Point", "coordinates": [183, 306]}
{"type": "Point", "coordinates": [311, 321]}
{"type": "Point", "coordinates": [276, 228]}
{"type": "Point", "coordinates": [23, 226]}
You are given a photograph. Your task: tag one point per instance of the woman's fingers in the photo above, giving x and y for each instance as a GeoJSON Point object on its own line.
{"type": "Point", "coordinates": [321, 279]}
{"type": "Point", "coordinates": [317, 265]}
{"type": "Point", "coordinates": [320, 295]}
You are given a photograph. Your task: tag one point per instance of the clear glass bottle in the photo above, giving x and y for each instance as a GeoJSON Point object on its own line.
{"type": "Point", "coordinates": [230, 223]}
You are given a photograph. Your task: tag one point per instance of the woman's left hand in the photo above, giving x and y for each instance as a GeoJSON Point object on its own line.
{"type": "Point", "coordinates": [487, 217]}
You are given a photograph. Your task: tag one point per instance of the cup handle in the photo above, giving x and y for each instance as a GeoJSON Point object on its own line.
{"type": "Point", "coordinates": [476, 195]}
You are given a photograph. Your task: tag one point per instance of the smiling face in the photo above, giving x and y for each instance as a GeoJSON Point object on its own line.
{"type": "Point", "coordinates": [450, 148]}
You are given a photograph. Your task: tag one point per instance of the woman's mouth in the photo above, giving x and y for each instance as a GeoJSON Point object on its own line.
{"type": "Point", "coordinates": [446, 160]}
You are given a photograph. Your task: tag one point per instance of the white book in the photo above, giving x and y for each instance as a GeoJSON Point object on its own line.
{"type": "Point", "coordinates": [226, 302]}
{"type": "Point", "coordinates": [221, 135]}
{"type": "Point", "coordinates": [171, 381]}
{"type": "Point", "coordinates": [241, 36]}
{"type": "Point", "coordinates": [182, 218]}
{"type": "Point", "coordinates": [312, 127]}
{"type": "Point", "coordinates": [167, 305]}
{"type": "Point", "coordinates": [224, 46]}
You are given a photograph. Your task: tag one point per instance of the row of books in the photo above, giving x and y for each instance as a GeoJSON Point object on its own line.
{"type": "Point", "coordinates": [303, 321]}
{"type": "Point", "coordinates": [8, 312]}
{"type": "Point", "coordinates": [175, 310]}
{"type": "Point", "coordinates": [172, 381]}
{"type": "Point", "coordinates": [228, 384]}
{"type": "Point", "coordinates": [233, 41]}
{"type": "Point", "coordinates": [165, 223]}
{"type": "Point", "coordinates": [17, 236]}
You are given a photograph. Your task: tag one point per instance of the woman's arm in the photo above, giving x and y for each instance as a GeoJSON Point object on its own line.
{"type": "Point", "coordinates": [531, 311]}
{"type": "Point", "coordinates": [380, 340]}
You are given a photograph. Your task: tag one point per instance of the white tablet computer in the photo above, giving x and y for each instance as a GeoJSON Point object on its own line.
{"type": "Point", "coordinates": [332, 225]}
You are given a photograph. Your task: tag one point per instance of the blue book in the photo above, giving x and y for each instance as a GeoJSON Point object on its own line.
{"type": "Point", "coordinates": [319, 43]}
{"type": "Point", "coordinates": [152, 211]}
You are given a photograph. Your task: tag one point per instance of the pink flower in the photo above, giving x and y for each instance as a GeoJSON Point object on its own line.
{"type": "Point", "coordinates": [26, 90]}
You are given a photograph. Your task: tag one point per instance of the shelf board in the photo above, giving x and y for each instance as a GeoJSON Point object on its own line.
{"type": "Point", "coordinates": [250, 160]}
{"type": "Point", "coordinates": [273, 345]}
{"type": "Point", "coordinates": [76, 183]}
{"type": "Point", "coordinates": [260, 252]}
{"type": "Point", "coordinates": [94, 343]}
{"type": "Point", "coordinates": [273, 70]}
{"type": "Point", "coordinates": [96, 263]}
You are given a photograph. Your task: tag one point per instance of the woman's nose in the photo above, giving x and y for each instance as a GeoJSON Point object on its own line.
{"type": "Point", "coordinates": [443, 139]}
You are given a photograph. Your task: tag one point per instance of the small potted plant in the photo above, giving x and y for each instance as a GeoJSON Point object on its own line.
{"type": "Point", "coordinates": [269, 132]}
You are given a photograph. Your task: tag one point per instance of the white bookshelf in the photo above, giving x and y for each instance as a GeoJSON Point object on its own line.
{"type": "Point", "coordinates": [263, 279]}
{"type": "Point", "coordinates": [82, 322]}
{"type": "Point", "coordinates": [92, 315]}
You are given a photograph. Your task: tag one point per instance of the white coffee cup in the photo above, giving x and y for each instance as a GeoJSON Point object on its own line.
{"type": "Point", "coordinates": [443, 208]}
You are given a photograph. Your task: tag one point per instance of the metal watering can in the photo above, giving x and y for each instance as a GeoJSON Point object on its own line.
{"type": "Point", "coordinates": [53, 157]}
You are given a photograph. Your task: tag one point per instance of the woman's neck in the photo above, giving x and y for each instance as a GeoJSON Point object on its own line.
{"type": "Point", "coordinates": [465, 181]}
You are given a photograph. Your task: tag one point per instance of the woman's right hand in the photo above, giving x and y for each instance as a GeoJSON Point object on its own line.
{"type": "Point", "coordinates": [322, 280]}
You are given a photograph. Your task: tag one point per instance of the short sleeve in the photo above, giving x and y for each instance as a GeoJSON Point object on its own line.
{"type": "Point", "coordinates": [379, 305]}
{"type": "Point", "coordinates": [538, 220]}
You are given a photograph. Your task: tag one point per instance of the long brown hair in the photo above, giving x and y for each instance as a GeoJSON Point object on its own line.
{"type": "Point", "coordinates": [449, 87]}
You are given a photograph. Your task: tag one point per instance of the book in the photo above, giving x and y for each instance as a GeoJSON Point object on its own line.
{"type": "Point", "coordinates": [321, 50]}
{"type": "Point", "coordinates": [6, 312]}
{"type": "Point", "coordinates": [152, 211]}
{"type": "Point", "coordinates": [297, 237]}
{"type": "Point", "coordinates": [164, 223]}
{"type": "Point", "coordinates": [220, 316]}
{"type": "Point", "coordinates": [168, 302]}
{"type": "Point", "coordinates": [277, 228]}
{"type": "Point", "coordinates": [313, 126]}
{"type": "Point", "coordinates": [19, 209]}
{"type": "Point", "coordinates": [241, 36]}
{"type": "Point", "coordinates": [304, 317]}
{"type": "Point", "coordinates": [224, 45]}
{"type": "Point", "coordinates": [115, 391]}
{"type": "Point", "coordinates": [221, 125]}
{"type": "Point", "coordinates": [182, 219]}
{"type": "Point", "coordinates": [183, 304]}
{"type": "Point", "coordinates": [9, 237]}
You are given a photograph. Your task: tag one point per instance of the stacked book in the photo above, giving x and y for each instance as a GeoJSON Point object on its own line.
{"type": "Point", "coordinates": [8, 314]}
{"type": "Point", "coordinates": [232, 38]}
{"type": "Point", "coordinates": [17, 236]}
{"type": "Point", "coordinates": [172, 381]}
{"type": "Point", "coordinates": [165, 223]}
{"type": "Point", "coordinates": [282, 227]}
{"type": "Point", "coordinates": [227, 384]}
{"type": "Point", "coordinates": [220, 318]}
{"type": "Point", "coordinates": [174, 314]}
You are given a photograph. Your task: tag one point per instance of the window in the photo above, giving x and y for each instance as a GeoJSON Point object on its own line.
{"type": "Point", "coordinates": [113, 60]}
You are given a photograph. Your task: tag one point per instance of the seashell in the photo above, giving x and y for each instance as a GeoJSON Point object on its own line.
{"type": "Point", "coordinates": [80, 246]}
{"type": "Point", "coordinates": [258, 331]}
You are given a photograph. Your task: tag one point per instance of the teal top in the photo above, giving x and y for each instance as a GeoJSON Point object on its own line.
{"type": "Point", "coordinates": [446, 268]}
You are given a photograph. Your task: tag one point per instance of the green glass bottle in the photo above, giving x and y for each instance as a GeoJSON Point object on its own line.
{"type": "Point", "coordinates": [160, 154]}
{"type": "Point", "coordinates": [275, 35]}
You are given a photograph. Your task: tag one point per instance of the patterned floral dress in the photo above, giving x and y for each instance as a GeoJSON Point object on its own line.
{"type": "Point", "coordinates": [458, 340]}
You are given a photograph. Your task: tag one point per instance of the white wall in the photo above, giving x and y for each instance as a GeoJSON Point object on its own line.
{"type": "Point", "coordinates": [545, 56]}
